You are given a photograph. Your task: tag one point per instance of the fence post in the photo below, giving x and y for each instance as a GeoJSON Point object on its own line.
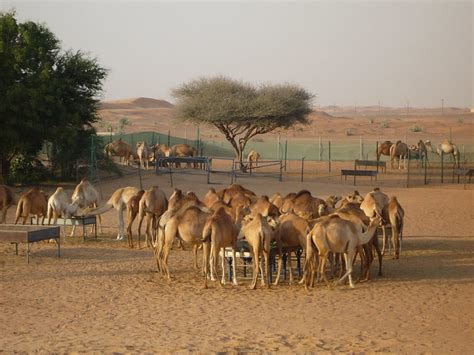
{"type": "Point", "coordinates": [361, 152]}
{"type": "Point", "coordinates": [408, 170]}
{"type": "Point", "coordinates": [169, 138]}
{"type": "Point", "coordinates": [320, 149]}
{"type": "Point", "coordinates": [442, 166]}
{"type": "Point", "coordinates": [278, 147]}
{"type": "Point", "coordinates": [232, 172]}
{"type": "Point", "coordinates": [281, 169]}
{"type": "Point", "coordinates": [286, 151]}
{"type": "Point", "coordinates": [153, 138]}
{"type": "Point", "coordinates": [426, 168]}
{"type": "Point", "coordinates": [302, 168]}
{"type": "Point", "coordinates": [377, 154]}
{"type": "Point", "coordinates": [329, 152]}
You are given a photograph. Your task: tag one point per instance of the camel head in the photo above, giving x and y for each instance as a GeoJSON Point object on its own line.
{"type": "Point", "coordinates": [376, 221]}
{"type": "Point", "coordinates": [273, 222]}
{"type": "Point", "coordinates": [322, 210]}
{"type": "Point", "coordinates": [355, 197]}
{"type": "Point", "coordinates": [429, 146]}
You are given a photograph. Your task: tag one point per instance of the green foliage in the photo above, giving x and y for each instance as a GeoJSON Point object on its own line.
{"type": "Point", "coordinates": [27, 170]}
{"type": "Point", "coordinates": [416, 128]}
{"type": "Point", "coordinates": [240, 110]}
{"type": "Point", "coordinates": [384, 124]}
{"type": "Point", "coordinates": [47, 95]}
{"type": "Point", "coordinates": [123, 122]}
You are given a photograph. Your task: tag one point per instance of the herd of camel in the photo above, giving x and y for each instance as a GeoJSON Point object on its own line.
{"type": "Point", "coordinates": [323, 229]}
{"type": "Point", "coordinates": [146, 154]}
{"type": "Point", "coordinates": [399, 151]}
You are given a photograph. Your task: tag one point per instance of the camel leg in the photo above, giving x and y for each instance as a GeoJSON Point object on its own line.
{"type": "Point", "coordinates": [384, 240]}
{"type": "Point", "coordinates": [205, 261]}
{"type": "Point", "coordinates": [211, 268]}
{"type": "Point", "coordinates": [159, 247]}
{"type": "Point", "coordinates": [349, 257]}
{"type": "Point", "coordinates": [307, 268]}
{"type": "Point", "coordinates": [322, 264]}
{"type": "Point", "coordinates": [223, 266]}
{"type": "Point", "coordinates": [280, 263]}
{"type": "Point", "coordinates": [149, 220]}
{"type": "Point", "coordinates": [289, 267]}
{"type": "Point", "coordinates": [195, 252]}
{"type": "Point", "coordinates": [255, 252]}
{"type": "Point", "coordinates": [266, 257]}
{"type": "Point", "coordinates": [234, 268]}
{"type": "Point", "coordinates": [120, 234]}
{"type": "Point", "coordinates": [166, 253]}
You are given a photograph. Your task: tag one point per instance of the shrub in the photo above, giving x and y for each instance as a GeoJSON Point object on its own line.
{"type": "Point", "coordinates": [27, 169]}
{"type": "Point", "coordinates": [385, 124]}
{"type": "Point", "coordinates": [416, 128]}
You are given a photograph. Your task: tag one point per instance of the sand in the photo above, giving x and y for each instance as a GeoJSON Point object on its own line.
{"type": "Point", "coordinates": [102, 296]}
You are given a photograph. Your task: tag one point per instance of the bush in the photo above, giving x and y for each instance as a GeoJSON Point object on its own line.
{"type": "Point", "coordinates": [384, 125]}
{"type": "Point", "coordinates": [350, 132]}
{"type": "Point", "coordinates": [416, 128]}
{"type": "Point", "coordinates": [26, 170]}
{"type": "Point", "coordinates": [371, 120]}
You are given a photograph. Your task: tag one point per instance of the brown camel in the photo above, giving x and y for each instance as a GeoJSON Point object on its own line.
{"type": "Point", "coordinates": [182, 151]}
{"type": "Point", "coordinates": [120, 149]}
{"type": "Point", "coordinates": [336, 235]}
{"type": "Point", "coordinates": [152, 205]}
{"type": "Point", "coordinates": [211, 197]}
{"type": "Point", "coordinates": [7, 199]}
{"type": "Point", "coordinates": [132, 212]}
{"type": "Point", "coordinates": [35, 202]}
{"type": "Point", "coordinates": [218, 233]}
{"type": "Point", "coordinates": [399, 152]}
{"type": "Point", "coordinates": [307, 206]}
{"type": "Point", "coordinates": [394, 214]}
{"type": "Point", "coordinates": [384, 149]}
{"type": "Point", "coordinates": [264, 207]}
{"type": "Point", "coordinates": [229, 192]}
{"type": "Point", "coordinates": [258, 233]}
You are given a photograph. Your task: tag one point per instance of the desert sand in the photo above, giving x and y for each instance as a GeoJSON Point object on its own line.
{"type": "Point", "coordinates": [102, 296]}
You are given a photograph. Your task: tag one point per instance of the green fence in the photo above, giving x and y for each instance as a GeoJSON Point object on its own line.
{"type": "Point", "coordinates": [319, 149]}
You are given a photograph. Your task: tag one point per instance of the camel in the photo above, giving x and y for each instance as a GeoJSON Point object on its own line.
{"type": "Point", "coordinates": [35, 202]}
{"type": "Point", "coordinates": [384, 149]}
{"type": "Point", "coordinates": [394, 213]}
{"type": "Point", "coordinates": [418, 151]}
{"type": "Point", "coordinates": [133, 206]}
{"type": "Point", "coordinates": [264, 207]}
{"type": "Point", "coordinates": [142, 152]}
{"type": "Point", "coordinates": [399, 151]}
{"type": "Point", "coordinates": [211, 197]}
{"type": "Point", "coordinates": [258, 233]}
{"type": "Point", "coordinates": [7, 199]}
{"type": "Point", "coordinates": [121, 149]}
{"type": "Point", "coordinates": [118, 200]}
{"type": "Point", "coordinates": [374, 202]}
{"type": "Point", "coordinates": [277, 200]}
{"type": "Point", "coordinates": [183, 150]}
{"type": "Point", "coordinates": [252, 158]}
{"type": "Point", "coordinates": [227, 209]}
{"type": "Point", "coordinates": [152, 204]}
{"type": "Point", "coordinates": [59, 206]}
{"type": "Point", "coordinates": [218, 233]}
{"type": "Point", "coordinates": [291, 232]}
{"type": "Point", "coordinates": [332, 200]}
{"type": "Point", "coordinates": [354, 199]}
{"type": "Point", "coordinates": [287, 205]}
{"type": "Point", "coordinates": [161, 151]}
{"type": "Point", "coordinates": [84, 196]}
{"type": "Point", "coordinates": [305, 205]}
{"type": "Point", "coordinates": [445, 148]}
{"type": "Point", "coordinates": [336, 235]}
{"type": "Point", "coordinates": [229, 192]}
{"type": "Point", "coordinates": [188, 225]}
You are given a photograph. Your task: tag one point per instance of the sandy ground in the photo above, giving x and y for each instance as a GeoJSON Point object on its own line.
{"type": "Point", "coordinates": [102, 296]}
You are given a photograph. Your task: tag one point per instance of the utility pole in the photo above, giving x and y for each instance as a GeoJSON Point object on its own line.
{"type": "Point", "coordinates": [379, 107]}
{"type": "Point", "coordinates": [442, 107]}
{"type": "Point", "coordinates": [408, 107]}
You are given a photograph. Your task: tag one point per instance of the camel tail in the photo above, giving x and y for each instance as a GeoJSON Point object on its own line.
{"type": "Point", "coordinates": [19, 210]}
{"type": "Point", "coordinates": [206, 232]}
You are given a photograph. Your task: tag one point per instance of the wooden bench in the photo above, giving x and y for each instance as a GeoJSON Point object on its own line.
{"type": "Point", "coordinates": [347, 172]}
{"type": "Point", "coordinates": [16, 234]}
{"type": "Point", "coordinates": [366, 163]}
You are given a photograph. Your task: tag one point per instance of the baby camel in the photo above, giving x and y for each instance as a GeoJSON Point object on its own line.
{"type": "Point", "coordinates": [337, 235]}
{"type": "Point", "coordinates": [219, 233]}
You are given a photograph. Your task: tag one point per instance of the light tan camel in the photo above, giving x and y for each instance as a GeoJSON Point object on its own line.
{"type": "Point", "coordinates": [332, 200]}
{"type": "Point", "coordinates": [229, 192]}
{"type": "Point", "coordinates": [336, 235]}
{"type": "Point", "coordinates": [277, 200]}
{"type": "Point", "coordinates": [59, 206]}
{"type": "Point", "coordinates": [133, 206]}
{"type": "Point", "coordinates": [218, 233]}
{"type": "Point", "coordinates": [287, 205]}
{"type": "Point", "coordinates": [7, 199]}
{"type": "Point", "coordinates": [394, 214]}
{"type": "Point", "coordinates": [161, 151]}
{"type": "Point", "coordinates": [399, 151]}
{"type": "Point", "coordinates": [446, 147]}
{"type": "Point", "coordinates": [84, 196]}
{"type": "Point", "coordinates": [118, 200]}
{"type": "Point", "coordinates": [374, 202]}
{"type": "Point", "coordinates": [120, 149]}
{"type": "Point", "coordinates": [354, 199]}
{"type": "Point", "coordinates": [142, 152]}
{"type": "Point", "coordinates": [259, 233]}
{"type": "Point", "coordinates": [241, 200]}
{"type": "Point", "coordinates": [187, 225]}
{"type": "Point", "coordinates": [35, 202]}
{"type": "Point", "coordinates": [152, 204]}
{"type": "Point", "coordinates": [210, 198]}
{"type": "Point", "coordinates": [252, 159]}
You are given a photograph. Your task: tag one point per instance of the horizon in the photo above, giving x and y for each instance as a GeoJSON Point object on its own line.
{"type": "Point", "coordinates": [360, 54]}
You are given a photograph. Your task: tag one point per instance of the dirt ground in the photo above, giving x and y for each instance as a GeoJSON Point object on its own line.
{"type": "Point", "coordinates": [102, 296]}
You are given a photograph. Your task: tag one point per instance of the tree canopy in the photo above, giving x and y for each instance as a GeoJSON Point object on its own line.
{"type": "Point", "coordinates": [241, 110]}
{"type": "Point", "coordinates": [47, 95]}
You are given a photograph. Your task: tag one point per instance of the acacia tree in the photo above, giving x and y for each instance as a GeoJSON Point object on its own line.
{"type": "Point", "coordinates": [240, 110]}
{"type": "Point", "coordinates": [46, 95]}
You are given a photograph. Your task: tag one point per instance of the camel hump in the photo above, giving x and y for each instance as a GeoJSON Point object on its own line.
{"type": "Point", "coordinates": [302, 193]}
{"type": "Point", "coordinates": [446, 141]}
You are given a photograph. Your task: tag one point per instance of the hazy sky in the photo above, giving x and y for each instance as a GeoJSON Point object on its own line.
{"type": "Point", "coordinates": [345, 52]}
